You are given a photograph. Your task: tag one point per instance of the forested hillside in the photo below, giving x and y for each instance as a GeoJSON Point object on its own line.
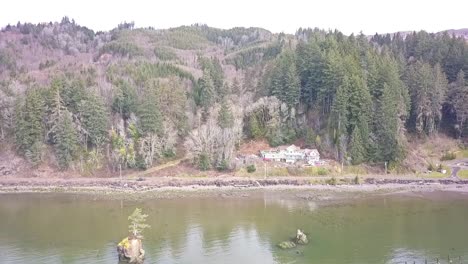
{"type": "Point", "coordinates": [84, 101]}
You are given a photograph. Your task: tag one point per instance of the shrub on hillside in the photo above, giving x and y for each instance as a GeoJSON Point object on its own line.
{"type": "Point", "coordinates": [121, 48]}
{"type": "Point", "coordinates": [332, 181]}
{"type": "Point", "coordinates": [322, 171]}
{"type": "Point", "coordinates": [223, 165]}
{"type": "Point", "coordinates": [165, 54]}
{"type": "Point", "coordinates": [251, 168]}
{"type": "Point", "coordinates": [448, 156]}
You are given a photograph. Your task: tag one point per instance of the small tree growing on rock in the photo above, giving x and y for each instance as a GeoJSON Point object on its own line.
{"type": "Point", "coordinates": [137, 222]}
{"type": "Point", "coordinates": [130, 249]}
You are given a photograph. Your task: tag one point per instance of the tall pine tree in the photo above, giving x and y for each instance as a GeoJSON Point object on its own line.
{"type": "Point", "coordinates": [65, 139]}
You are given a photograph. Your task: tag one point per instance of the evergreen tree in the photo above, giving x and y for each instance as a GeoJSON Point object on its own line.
{"type": "Point", "coordinates": [29, 129]}
{"type": "Point", "coordinates": [65, 139]}
{"type": "Point", "coordinates": [125, 99]}
{"type": "Point", "coordinates": [225, 116]}
{"type": "Point", "coordinates": [358, 105]}
{"type": "Point", "coordinates": [94, 119]}
{"type": "Point", "coordinates": [150, 119]}
{"type": "Point", "coordinates": [217, 74]}
{"type": "Point", "coordinates": [72, 93]}
{"type": "Point", "coordinates": [55, 109]}
{"type": "Point", "coordinates": [285, 83]}
{"type": "Point", "coordinates": [213, 68]}
{"type": "Point", "coordinates": [204, 162]}
{"type": "Point", "coordinates": [458, 97]}
{"type": "Point", "coordinates": [389, 144]}
{"type": "Point", "coordinates": [206, 90]}
{"type": "Point", "coordinates": [357, 150]}
{"type": "Point", "coordinates": [310, 66]}
{"type": "Point", "coordinates": [236, 88]}
{"type": "Point", "coordinates": [254, 127]}
{"type": "Point", "coordinates": [427, 87]}
{"type": "Point", "coordinates": [137, 222]}
{"type": "Point", "coordinates": [150, 127]}
{"type": "Point", "coordinates": [340, 110]}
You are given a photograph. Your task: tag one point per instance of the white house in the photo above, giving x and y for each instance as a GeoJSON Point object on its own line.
{"type": "Point", "coordinates": [312, 156]}
{"type": "Point", "coordinates": [292, 154]}
{"type": "Point", "coordinates": [274, 155]}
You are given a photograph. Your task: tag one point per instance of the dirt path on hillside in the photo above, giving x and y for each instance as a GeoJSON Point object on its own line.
{"type": "Point", "coordinates": [456, 166]}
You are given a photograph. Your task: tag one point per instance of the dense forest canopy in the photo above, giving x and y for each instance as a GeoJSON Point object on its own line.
{"type": "Point", "coordinates": [135, 97]}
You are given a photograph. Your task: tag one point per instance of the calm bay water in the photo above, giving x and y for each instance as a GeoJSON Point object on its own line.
{"type": "Point", "coordinates": [76, 229]}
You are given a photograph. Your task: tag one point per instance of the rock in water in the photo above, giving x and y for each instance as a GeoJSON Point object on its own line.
{"type": "Point", "coordinates": [301, 238]}
{"type": "Point", "coordinates": [130, 250]}
{"type": "Point", "coordinates": [287, 245]}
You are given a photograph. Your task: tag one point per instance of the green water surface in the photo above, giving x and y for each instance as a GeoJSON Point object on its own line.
{"type": "Point", "coordinates": [49, 228]}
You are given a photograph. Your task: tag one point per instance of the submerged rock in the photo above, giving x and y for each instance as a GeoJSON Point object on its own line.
{"type": "Point", "coordinates": [301, 238]}
{"type": "Point", "coordinates": [287, 245]}
{"type": "Point", "coordinates": [130, 250]}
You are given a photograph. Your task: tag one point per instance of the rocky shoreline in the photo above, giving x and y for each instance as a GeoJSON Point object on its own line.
{"type": "Point", "coordinates": [307, 188]}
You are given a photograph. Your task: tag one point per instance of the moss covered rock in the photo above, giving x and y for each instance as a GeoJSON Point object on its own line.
{"type": "Point", "coordinates": [130, 250]}
{"type": "Point", "coordinates": [287, 245]}
{"type": "Point", "coordinates": [301, 238]}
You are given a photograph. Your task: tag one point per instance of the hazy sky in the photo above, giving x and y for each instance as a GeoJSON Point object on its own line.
{"type": "Point", "coordinates": [277, 16]}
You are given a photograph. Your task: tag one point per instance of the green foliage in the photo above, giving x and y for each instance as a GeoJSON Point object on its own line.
{"type": "Point", "coordinates": [251, 168]}
{"type": "Point", "coordinates": [123, 153]}
{"type": "Point", "coordinates": [29, 129]}
{"type": "Point", "coordinates": [223, 165]}
{"type": "Point", "coordinates": [7, 60]}
{"type": "Point", "coordinates": [94, 118]}
{"type": "Point", "coordinates": [310, 136]}
{"type": "Point", "coordinates": [125, 99]}
{"type": "Point", "coordinates": [427, 86]}
{"type": "Point", "coordinates": [458, 99]}
{"type": "Point", "coordinates": [165, 54]}
{"type": "Point", "coordinates": [204, 162]}
{"type": "Point", "coordinates": [357, 149]}
{"type": "Point", "coordinates": [141, 72]}
{"type": "Point", "coordinates": [124, 49]}
{"type": "Point", "coordinates": [254, 55]}
{"type": "Point", "coordinates": [65, 140]}
{"type": "Point", "coordinates": [172, 102]}
{"type": "Point", "coordinates": [150, 120]}
{"type": "Point", "coordinates": [93, 160]}
{"type": "Point", "coordinates": [46, 64]}
{"type": "Point", "coordinates": [137, 222]}
{"type": "Point", "coordinates": [363, 96]}
{"type": "Point", "coordinates": [185, 38]}
{"type": "Point", "coordinates": [332, 181]}
{"type": "Point", "coordinates": [205, 93]}
{"type": "Point", "coordinates": [448, 156]}
{"type": "Point", "coordinates": [322, 171]}
{"type": "Point", "coordinates": [318, 141]}
{"type": "Point", "coordinates": [280, 136]}
{"type": "Point", "coordinates": [212, 83]}
{"type": "Point", "coordinates": [284, 82]}
{"type": "Point", "coordinates": [169, 153]}
{"type": "Point", "coordinates": [463, 174]}
{"type": "Point", "coordinates": [225, 116]}
{"type": "Point", "coordinates": [255, 130]}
